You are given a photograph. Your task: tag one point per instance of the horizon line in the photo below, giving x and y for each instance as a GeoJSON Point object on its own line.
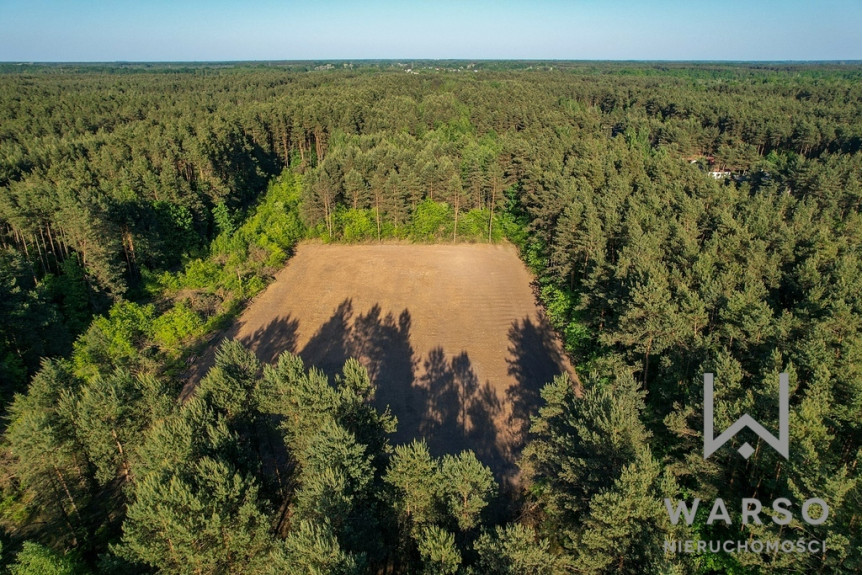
{"type": "Point", "coordinates": [460, 59]}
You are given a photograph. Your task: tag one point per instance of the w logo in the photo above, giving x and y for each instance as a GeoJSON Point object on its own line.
{"type": "Point", "coordinates": [711, 444]}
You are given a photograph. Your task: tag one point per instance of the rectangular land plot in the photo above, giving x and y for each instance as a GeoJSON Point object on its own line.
{"type": "Point", "coordinates": [451, 335]}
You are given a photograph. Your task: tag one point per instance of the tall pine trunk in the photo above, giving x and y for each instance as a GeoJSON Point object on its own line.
{"type": "Point", "coordinates": [491, 214]}
{"type": "Point", "coordinates": [455, 226]}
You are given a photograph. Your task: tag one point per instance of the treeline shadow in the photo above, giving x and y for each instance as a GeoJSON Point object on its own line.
{"type": "Point", "coordinates": [438, 397]}
{"type": "Point", "coordinates": [267, 343]}
{"type": "Point", "coordinates": [534, 359]}
{"type": "Point", "coordinates": [435, 398]}
{"type": "Point", "coordinates": [458, 412]}
{"type": "Point", "coordinates": [381, 342]}
{"type": "Point", "coordinates": [270, 341]}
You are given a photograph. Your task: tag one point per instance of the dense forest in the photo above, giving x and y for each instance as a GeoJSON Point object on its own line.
{"type": "Point", "coordinates": [679, 219]}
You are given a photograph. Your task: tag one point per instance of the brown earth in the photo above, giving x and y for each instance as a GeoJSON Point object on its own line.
{"type": "Point", "coordinates": [451, 335]}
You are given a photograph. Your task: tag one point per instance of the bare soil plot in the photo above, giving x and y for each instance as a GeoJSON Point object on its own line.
{"type": "Point", "coordinates": [451, 335]}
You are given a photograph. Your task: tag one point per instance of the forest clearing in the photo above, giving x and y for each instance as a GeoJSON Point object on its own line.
{"type": "Point", "coordinates": [362, 284]}
{"type": "Point", "coordinates": [452, 337]}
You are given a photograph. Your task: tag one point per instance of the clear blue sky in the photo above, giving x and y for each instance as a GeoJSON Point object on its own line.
{"type": "Point", "coordinates": [183, 30]}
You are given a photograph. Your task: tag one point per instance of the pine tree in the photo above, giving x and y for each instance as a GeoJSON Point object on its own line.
{"type": "Point", "coordinates": [579, 448]}
{"type": "Point", "coordinates": [625, 528]}
{"type": "Point", "coordinates": [414, 475]}
{"type": "Point", "coordinates": [312, 549]}
{"type": "Point", "coordinates": [466, 486]}
{"type": "Point", "coordinates": [109, 422]}
{"type": "Point", "coordinates": [335, 478]}
{"type": "Point", "coordinates": [304, 399]}
{"type": "Point", "coordinates": [455, 195]}
{"type": "Point", "coordinates": [209, 520]}
{"type": "Point", "coordinates": [516, 550]}
{"type": "Point", "coordinates": [438, 551]}
{"type": "Point", "coordinates": [229, 385]}
{"type": "Point", "coordinates": [48, 460]}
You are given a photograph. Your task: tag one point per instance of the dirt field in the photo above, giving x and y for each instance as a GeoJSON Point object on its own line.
{"type": "Point", "coordinates": [451, 335]}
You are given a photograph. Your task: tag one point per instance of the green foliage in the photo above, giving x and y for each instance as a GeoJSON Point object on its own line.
{"type": "Point", "coordinates": [335, 477]}
{"type": "Point", "coordinates": [195, 504]}
{"type": "Point", "coordinates": [430, 221]}
{"type": "Point", "coordinates": [466, 487]}
{"type": "Point", "coordinates": [560, 306]}
{"type": "Point", "coordinates": [33, 324]}
{"type": "Point", "coordinates": [229, 385]}
{"type": "Point", "coordinates": [111, 415]}
{"type": "Point", "coordinates": [173, 444]}
{"type": "Point", "coordinates": [515, 550]}
{"type": "Point", "coordinates": [432, 495]}
{"type": "Point", "coordinates": [309, 403]}
{"type": "Point", "coordinates": [224, 219]}
{"type": "Point", "coordinates": [35, 559]}
{"type": "Point", "coordinates": [199, 274]}
{"type": "Point", "coordinates": [72, 441]}
{"type": "Point", "coordinates": [47, 459]}
{"type": "Point", "coordinates": [206, 521]}
{"type": "Point", "coordinates": [414, 474]}
{"type": "Point", "coordinates": [473, 226]}
{"type": "Point", "coordinates": [304, 399]}
{"type": "Point", "coordinates": [438, 551]}
{"type": "Point", "coordinates": [625, 529]}
{"type": "Point", "coordinates": [177, 326]}
{"type": "Point", "coordinates": [177, 236]}
{"type": "Point", "coordinates": [312, 549]}
{"type": "Point", "coordinates": [580, 446]}
{"type": "Point", "coordinates": [114, 341]}
{"type": "Point", "coordinates": [512, 228]}
{"type": "Point", "coordinates": [645, 264]}
{"type": "Point", "coordinates": [70, 290]}
{"type": "Point", "coordinates": [356, 225]}
{"type": "Point", "coordinates": [275, 225]}
{"type": "Point", "coordinates": [13, 372]}
{"type": "Point", "coordinates": [262, 243]}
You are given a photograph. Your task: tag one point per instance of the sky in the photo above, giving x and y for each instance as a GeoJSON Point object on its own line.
{"type": "Point", "coordinates": [220, 30]}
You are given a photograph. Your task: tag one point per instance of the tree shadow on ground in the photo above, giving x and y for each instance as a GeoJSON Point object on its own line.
{"type": "Point", "coordinates": [441, 401]}
{"type": "Point", "coordinates": [438, 398]}
{"type": "Point", "coordinates": [459, 413]}
{"type": "Point", "coordinates": [383, 345]}
{"type": "Point", "coordinates": [534, 359]}
{"type": "Point", "coordinates": [329, 348]}
{"type": "Point", "coordinates": [267, 343]}
{"type": "Point", "coordinates": [270, 341]}
{"type": "Point", "coordinates": [381, 342]}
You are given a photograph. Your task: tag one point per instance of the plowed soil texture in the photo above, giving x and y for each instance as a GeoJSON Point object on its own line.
{"type": "Point", "coordinates": [452, 337]}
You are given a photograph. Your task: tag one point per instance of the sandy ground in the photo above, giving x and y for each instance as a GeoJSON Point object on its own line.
{"type": "Point", "coordinates": [451, 335]}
